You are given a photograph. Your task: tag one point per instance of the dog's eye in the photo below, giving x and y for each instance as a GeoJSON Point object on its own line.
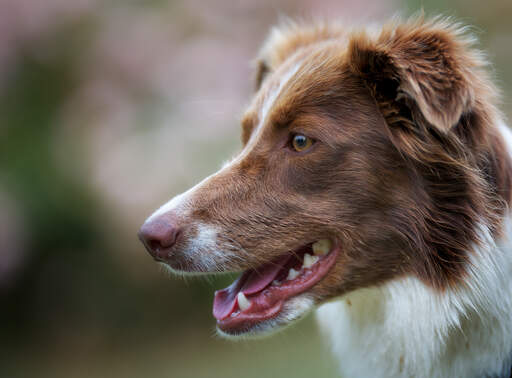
{"type": "Point", "coordinates": [301, 142]}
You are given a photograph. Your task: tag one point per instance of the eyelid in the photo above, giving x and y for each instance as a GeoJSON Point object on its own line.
{"type": "Point", "coordinates": [298, 132]}
{"type": "Point", "coordinates": [308, 132]}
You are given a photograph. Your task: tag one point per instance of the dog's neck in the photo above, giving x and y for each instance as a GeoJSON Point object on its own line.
{"type": "Point", "coordinates": [404, 328]}
{"type": "Point", "coordinates": [407, 329]}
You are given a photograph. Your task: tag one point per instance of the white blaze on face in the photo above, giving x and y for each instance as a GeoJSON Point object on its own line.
{"type": "Point", "coordinates": [269, 101]}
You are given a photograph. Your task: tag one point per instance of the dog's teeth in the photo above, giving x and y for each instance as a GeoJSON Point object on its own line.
{"type": "Point", "coordinates": [309, 261]}
{"type": "Point", "coordinates": [276, 283]}
{"type": "Point", "coordinates": [292, 274]}
{"type": "Point", "coordinates": [243, 302]}
{"type": "Point", "coordinates": [321, 247]}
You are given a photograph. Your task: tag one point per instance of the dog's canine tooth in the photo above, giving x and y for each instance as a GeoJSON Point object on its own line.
{"type": "Point", "coordinates": [243, 302]}
{"type": "Point", "coordinates": [321, 247]}
{"type": "Point", "coordinates": [309, 261]}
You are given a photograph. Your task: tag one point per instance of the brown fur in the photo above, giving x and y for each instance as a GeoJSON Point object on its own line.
{"type": "Point", "coordinates": [407, 161]}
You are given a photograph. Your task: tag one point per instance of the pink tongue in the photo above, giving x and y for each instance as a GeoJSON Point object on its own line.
{"type": "Point", "coordinates": [250, 282]}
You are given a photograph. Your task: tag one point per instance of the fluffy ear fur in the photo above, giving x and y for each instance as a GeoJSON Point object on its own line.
{"type": "Point", "coordinates": [426, 68]}
{"type": "Point", "coordinates": [287, 39]}
{"type": "Point", "coordinates": [433, 91]}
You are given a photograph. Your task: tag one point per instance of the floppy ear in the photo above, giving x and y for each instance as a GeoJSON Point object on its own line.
{"type": "Point", "coordinates": [286, 39]}
{"type": "Point", "coordinates": [421, 68]}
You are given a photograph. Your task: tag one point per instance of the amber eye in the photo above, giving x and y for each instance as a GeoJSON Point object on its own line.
{"type": "Point", "coordinates": [301, 142]}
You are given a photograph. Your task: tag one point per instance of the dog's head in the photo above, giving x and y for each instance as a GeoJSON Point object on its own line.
{"type": "Point", "coordinates": [365, 158]}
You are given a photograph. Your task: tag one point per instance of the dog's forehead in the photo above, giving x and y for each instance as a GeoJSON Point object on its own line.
{"type": "Point", "coordinates": [276, 86]}
{"type": "Point", "coordinates": [302, 81]}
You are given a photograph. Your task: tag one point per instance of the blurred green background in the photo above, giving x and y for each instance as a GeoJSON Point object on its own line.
{"type": "Point", "coordinates": [107, 110]}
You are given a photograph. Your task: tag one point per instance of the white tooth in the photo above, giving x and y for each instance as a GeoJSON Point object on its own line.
{"type": "Point", "coordinates": [292, 274]}
{"type": "Point", "coordinates": [309, 261]}
{"type": "Point", "coordinates": [276, 283]}
{"type": "Point", "coordinates": [243, 302]}
{"type": "Point", "coordinates": [321, 247]}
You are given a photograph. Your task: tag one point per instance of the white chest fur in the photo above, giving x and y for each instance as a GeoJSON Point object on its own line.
{"type": "Point", "coordinates": [405, 329]}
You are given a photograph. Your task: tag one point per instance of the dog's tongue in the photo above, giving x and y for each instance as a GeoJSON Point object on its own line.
{"type": "Point", "coordinates": [250, 282]}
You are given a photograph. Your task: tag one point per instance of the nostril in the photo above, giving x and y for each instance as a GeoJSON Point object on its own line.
{"type": "Point", "coordinates": [155, 245]}
{"type": "Point", "coordinates": [170, 238]}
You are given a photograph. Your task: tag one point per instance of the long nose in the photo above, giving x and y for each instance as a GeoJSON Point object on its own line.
{"type": "Point", "coordinates": [158, 235]}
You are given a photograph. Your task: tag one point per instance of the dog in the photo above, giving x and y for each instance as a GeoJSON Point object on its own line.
{"type": "Point", "coordinates": [374, 184]}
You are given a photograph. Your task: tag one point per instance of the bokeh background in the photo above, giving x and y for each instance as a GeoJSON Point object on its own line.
{"type": "Point", "coordinates": [108, 109]}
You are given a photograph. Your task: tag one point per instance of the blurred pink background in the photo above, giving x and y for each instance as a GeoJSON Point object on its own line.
{"type": "Point", "coordinates": [107, 110]}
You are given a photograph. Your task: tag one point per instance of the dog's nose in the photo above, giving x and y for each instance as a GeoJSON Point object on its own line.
{"type": "Point", "coordinates": [159, 235]}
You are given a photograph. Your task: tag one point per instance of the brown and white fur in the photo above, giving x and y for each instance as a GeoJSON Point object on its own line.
{"type": "Point", "coordinates": [410, 173]}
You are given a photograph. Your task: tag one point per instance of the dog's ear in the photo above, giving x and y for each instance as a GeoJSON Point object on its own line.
{"type": "Point", "coordinates": [286, 39]}
{"type": "Point", "coordinates": [421, 73]}
{"type": "Point", "coordinates": [262, 70]}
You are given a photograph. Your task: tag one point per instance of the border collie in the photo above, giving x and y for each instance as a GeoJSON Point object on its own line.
{"type": "Point", "coordinates": [374, 184]}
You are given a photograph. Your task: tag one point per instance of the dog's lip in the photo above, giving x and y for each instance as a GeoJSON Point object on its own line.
{"type": "Point", "coordinates": [244, 322]}
{"type": "Point", "coordinates": [269, 301]}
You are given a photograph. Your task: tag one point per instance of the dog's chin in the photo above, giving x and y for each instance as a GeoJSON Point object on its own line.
{"type": "Point", "coordinates": [291, 312]}
{"type": "Point", "coordinates": [180, 271]}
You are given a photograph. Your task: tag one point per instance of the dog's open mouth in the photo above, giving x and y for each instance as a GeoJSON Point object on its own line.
{"type": "Point", "coordinates": [259, 294]}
